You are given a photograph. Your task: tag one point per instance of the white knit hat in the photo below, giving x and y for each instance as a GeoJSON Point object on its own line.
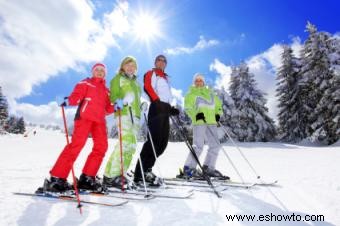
{"type": "Point", "coordinates": [200, 76]}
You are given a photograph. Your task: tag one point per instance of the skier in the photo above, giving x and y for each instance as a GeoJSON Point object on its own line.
{"type": "Point", "coordinates": [157, 87]}
{"type": "Point", "coordinates": [204, 108]}
{"type": "Point", "coordinates": [92, 98]}
{"type": "Point", "coordinates": [125, 92]}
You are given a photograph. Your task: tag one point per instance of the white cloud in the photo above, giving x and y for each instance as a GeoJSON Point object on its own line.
{"type": "Point", "coordinates": [49, 114]}
{"type": "Point", "coordinates": [38, 41]}
{"type": "Point", "coordinates": [223, 71]}
{"type": "Point", "coordinates": [200, 45]}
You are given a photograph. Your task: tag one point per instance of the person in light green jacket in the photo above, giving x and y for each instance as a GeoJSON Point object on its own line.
{"type": "Point", "coordinates": [125, 92]}
{"type": "Point", "coordinates": [204, 108]}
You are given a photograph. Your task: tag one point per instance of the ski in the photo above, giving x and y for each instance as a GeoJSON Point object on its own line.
{"type": "Point", "coordinates": [247, 184]}
{"type": "Point", "coordinates": [228, 183]}
{"type": "Point", "coordinates": [188, 183]}
{"type": "Point", "coordinates": [158, 194]}
{"type": "Point", "coordinates": [120, 195]}
{"type": "Point", "coordinates": [167, 187]}
{"type": "Point", "coordinates": [72, 198]}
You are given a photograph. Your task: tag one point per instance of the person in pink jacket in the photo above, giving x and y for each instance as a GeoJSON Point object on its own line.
{"type": "Point", "coordinates": [92, 98]}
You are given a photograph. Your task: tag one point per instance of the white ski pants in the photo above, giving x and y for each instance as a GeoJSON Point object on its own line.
{"type": "Point", "coordinates": [204, 134]}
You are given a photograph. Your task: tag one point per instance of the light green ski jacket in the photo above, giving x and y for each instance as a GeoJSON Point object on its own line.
{"type": "Point", "coordinates": [202, 99]}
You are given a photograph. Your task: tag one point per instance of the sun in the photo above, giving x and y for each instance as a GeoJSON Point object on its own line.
{"type": "Point", "coordinates": [146, 27]}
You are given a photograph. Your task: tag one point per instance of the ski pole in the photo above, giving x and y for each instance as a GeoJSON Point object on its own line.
{"type": "Point", "coordinates": [242, 154]}
{"type": "Point", "coordinates": [72, 170]}
{"type": "Point", "coordinates": [143, 177]}
{"type": "Point", "coordinates": [121, 147]}
{"type": "Point", "coordinates": [191, 149]}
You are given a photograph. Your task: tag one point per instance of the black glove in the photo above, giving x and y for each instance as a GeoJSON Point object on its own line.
{"type": "Point", "coordinates": [65, 103]}
{"type": "Point", "coordinates": [174, 111]}
{"type": "Point", "coordinates": [217, 117]}
{"type": "Point", "coordinates": [200, 116]}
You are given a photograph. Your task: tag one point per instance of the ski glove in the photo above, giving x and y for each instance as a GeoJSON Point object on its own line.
{"type": "Point", "coordinates": [200, 116]}
{"type": "Point", "coordinates": [128, 99]}
{"type": "Point", "coordinates": [65, 103]}
{"type": "Point", "coordinates": [118, 104]}
{"type": "Point", "coordinates": [217, 117]}
{"type": "Point", "coordinates": [174, 111]}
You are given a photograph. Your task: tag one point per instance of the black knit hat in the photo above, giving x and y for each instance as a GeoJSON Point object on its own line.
{"type": "Point", "coordinates": [161, 57]}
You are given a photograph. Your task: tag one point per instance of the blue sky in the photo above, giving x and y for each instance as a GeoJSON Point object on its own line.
{"type": "Point", "coordinates": [195, 35]}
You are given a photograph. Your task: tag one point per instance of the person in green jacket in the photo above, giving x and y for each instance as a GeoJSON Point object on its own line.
{"type": "Point", "coordinates": [204, 108]}
{"type": "Point", "coordinates": [125, 92]}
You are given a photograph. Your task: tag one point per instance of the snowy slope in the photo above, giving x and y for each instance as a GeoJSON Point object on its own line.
{"type": "Point", "coordinates": [309, 179]}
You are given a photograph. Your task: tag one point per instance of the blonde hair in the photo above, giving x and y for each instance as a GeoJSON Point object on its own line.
{"type": "Point", "coordinates": [125, 61]}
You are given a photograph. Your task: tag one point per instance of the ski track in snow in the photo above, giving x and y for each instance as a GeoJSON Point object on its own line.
{"type": "Point", "coordinates": [309, 183]}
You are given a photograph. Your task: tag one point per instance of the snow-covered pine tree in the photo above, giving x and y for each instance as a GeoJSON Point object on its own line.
{"type": "Point", "coordinates": [326, 127]}
{"type": "Point", "coordinates": [3, 112]}
{"type": "Point", "coordinates": [335, 88]}
{"type": "Point", "coordinates": [253, 124]}
{"type": "Point", "coordinates": [20, 126]}
{"type": "Point", "coordinates": [11, 124]}
{"type": "Point", "coordinates": [16, 125]}
{"type": "Point", "coordinates": [227, 120]}
{"type": "Point", "coordinates": [317, 77]}
{"type": "Point", "coordinates": [288, 93]}
{"type": "Point", "coordinates": [185, 123]}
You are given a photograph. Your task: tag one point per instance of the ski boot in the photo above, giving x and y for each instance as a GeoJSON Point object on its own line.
{"type": "Point", "coordinates": [215, 173]}
{"type": "Point", "coordinates": [116, 182]}
{"type": "Point", "coordinates": [55, 184]}
{"type": "Point", "coordinates": [90, 183]}
{"type": "Point", "coordinates": [189, 173]}
{"type": "Point", "coordinates": [150, 179]}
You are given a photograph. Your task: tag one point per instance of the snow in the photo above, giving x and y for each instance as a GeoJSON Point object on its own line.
{"type": "Point", "coordinates": [309, 183]}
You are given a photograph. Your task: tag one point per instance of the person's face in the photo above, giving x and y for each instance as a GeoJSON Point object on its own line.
{"type": "Point", "coordinates": [199, 82]}
{"type": "Point", "coordinates": [129, 68]}
{"type": "Point", "coordinates": [99, 72]}
{"type": "Point", "coordinates": [160, 63]}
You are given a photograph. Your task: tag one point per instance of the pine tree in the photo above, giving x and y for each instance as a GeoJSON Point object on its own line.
{"type": "Point", "coordinates": [20, 126]}
{"type": "Point", "coordinates": [3, 112]}
{"type": "Point", "coordinates": [318, 84]}
{"type": "Point", "coordinates": [288, 93]}
{"type": "Point", "coordinates": [253, 122]}
{"type": "Point", "coordinates": [228, 114]}
{"type": "Point", "coordinates": [11, 124]}
{"type": "Point", "coordinates": [326, 126]}
{"type": "Point", "coordinates": [184, 123]}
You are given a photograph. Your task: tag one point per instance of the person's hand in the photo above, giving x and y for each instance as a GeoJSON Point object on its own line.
{"type": "Point", "coordinates": [217, 117]}
{"type": "Point", "coordinates": [118, 104]}
{"type": "Point", "coordinates": [174, 111]}
{"type": "Point", "coordinates": [128, 99]}
{"type": "Point", "coordinates": [200, 116]}
{"type": "Point", "coordinates": [65, 103]}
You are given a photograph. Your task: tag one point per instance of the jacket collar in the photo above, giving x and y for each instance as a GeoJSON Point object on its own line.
{"type": "Point", "coordinates": [159, 72]}
{"type": "Point", "coordinates": [98, 80]}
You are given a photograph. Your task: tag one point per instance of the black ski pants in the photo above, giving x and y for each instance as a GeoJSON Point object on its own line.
{"type": "Point", "coordinates": [158, 123]}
